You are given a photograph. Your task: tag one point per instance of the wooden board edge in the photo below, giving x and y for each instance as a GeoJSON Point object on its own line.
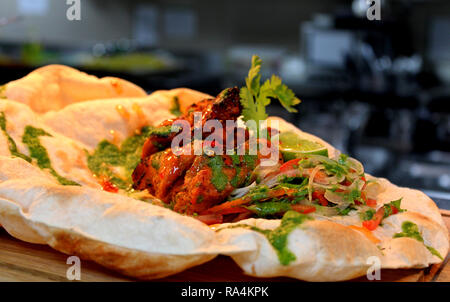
{"type": "Point", "coordinates": [445, 213]}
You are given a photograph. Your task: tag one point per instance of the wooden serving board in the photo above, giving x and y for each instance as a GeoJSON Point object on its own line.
{"type": "Point", "coordinates": [21, 261]}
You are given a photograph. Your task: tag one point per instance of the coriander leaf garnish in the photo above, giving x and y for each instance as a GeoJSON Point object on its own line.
{"type": "Point", "coordinates": [275, 89]}
{"type": "Point", "coordinates": [255, 98]}
{"type": "Point", "coordinates": [393, 207]}
{"type": "Point", "coordinates": [367, 215]}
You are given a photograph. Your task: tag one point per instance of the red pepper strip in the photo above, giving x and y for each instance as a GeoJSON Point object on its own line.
{"type": "Point", "coordinates": [210, 219]}
{"type": "Point", "coordinates": [363, 197]}
{"type": "Point", "coordinates": [372, 203]}
{"type": "Point", "coordinates": [394, 210]}
{"type": "Point", "coordinates": [108, 186]}
{"type": "Point", "coordinates": [366, 232]}
{"type": "Point", "coordinates": [319, 195]}
{"type": "Point", "coordinates": [237, 203]}
{"type": "Point", "coordinates": [319, 177]}
{"type": "Point", "coordinates": [281, 192]}
{"type": "Point", "coordinates": [232, 210]}
{"type": "Point", "coordinates": [375, 221]}
{"type": "Point", "coordinates": [227, 205]}
{"type": "Point", "coordinates": [304, 209]}
{"type": "Point", "coordinates": [363, 178]}
{"type": "Point", "coordinates": [289, 165]}
{"type": "Point", "coordinates": [346, 183]}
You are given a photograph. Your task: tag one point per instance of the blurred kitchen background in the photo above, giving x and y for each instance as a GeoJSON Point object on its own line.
{"type": "Point", "coordinates": [377, 90]}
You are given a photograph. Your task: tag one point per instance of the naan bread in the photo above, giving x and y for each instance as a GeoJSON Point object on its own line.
{"type": "Point", "coordinates": [55, 86]}
{"type": "Point", "coordinates": [146, 241]}
{"type": "Point", "coordinates": [89, 222]}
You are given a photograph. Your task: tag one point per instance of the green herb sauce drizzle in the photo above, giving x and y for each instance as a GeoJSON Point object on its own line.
{"type": "Point", "coordinates": [269, 208]}
{"type": "Point", "coordinates": [11, 143]}
{"type": "Point", "coordinates": [38, 152]}
{"type": "Point", "coordinates": [31, 139]}
{"type": "Point", "coordinates": [411, 230]}
{"type": "Point", "coordinates": [219, 178]}
{"type": "Point", "coordinates": [108, 156]}
{"type": "Point", "coordinates": [175, 109]}
{"type": "Point", "coordinates": [278, 237]}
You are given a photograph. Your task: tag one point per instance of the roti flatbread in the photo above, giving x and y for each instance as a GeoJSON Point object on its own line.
{"type": "Point", "coordinates": [53, 198]}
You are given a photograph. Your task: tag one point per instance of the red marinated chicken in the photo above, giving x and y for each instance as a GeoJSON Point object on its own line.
{"type": "Point", "coordinates": [194, 183]}
{"type": "Point", "coordinates": [226, 106]}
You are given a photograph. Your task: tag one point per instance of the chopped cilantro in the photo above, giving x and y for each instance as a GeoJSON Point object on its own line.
{"type": "Point", "coordinates": [335, 168]}
{"type": "Point", "coordinates": [353, 195]}
{"type": "Point", "coordinates": [345, 211]}
{"type": "Point", "coordinates": [343, 159]}
{"type": "Point", "coordinates": [368, 215]}
{"type": "Point", "coordinates": [258, 193]}
{"type": "Point", "coordinates": [200, 199]}
{"type": "Point", "coordinates": [156, 160]}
